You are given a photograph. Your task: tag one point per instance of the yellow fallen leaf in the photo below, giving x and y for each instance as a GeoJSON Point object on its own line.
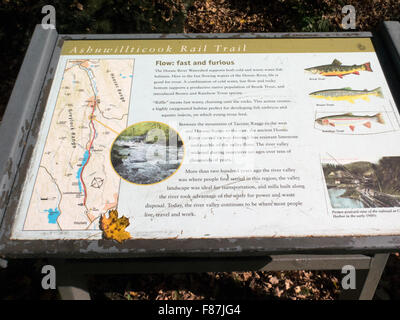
{"type": "Point", "coordinates": [114, 227]}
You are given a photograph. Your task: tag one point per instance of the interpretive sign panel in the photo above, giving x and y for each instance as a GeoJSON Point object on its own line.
{"type": "Point", "coordinates": [214, 138]}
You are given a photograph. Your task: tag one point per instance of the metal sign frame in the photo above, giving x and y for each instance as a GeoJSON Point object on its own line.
{"type": "Point", "coordinates": [19, 131]}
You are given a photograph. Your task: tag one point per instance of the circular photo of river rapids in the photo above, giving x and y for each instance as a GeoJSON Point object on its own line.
{"type": "Point", "coordinates": [147, 152]}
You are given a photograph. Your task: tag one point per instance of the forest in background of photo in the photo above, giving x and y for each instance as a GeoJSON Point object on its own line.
{"type": "Point", "coordinates": [144, 128]}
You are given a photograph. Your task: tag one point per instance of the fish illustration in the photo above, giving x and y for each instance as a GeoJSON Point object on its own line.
{"type": "Point", "coordinates": [337, 69]}
{"type": "Point", "coordinates": [347, 94]}
{"type": "Point", "coordinates": [351, 120]}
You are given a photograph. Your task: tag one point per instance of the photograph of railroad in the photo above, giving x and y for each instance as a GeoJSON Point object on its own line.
{"type": "Point", "coordinates": [363, 184]}
{"type": "Point", "coordinates": [147, 152]}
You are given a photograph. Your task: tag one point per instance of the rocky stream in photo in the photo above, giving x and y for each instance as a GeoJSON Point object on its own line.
{"type": "Point", "coordinates": [142, 162]}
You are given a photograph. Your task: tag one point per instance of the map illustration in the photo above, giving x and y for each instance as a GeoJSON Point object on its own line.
{"type": "Point", "coordinates": [76, 183]}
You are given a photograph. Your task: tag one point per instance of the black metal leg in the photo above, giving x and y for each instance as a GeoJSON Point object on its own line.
{"type": "Point", "coordinates": [71, 285]}
{"type": "Point", "coordinates": [378, 264]}
{"type": "Point", "coordinates": [354, 294]}
{"type": "Point", "coordinates": [367, 280]}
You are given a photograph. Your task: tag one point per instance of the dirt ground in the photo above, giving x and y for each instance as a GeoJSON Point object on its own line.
{"type": "Point", "coordinates": [22, 281]}
{"type": "Point", "coordinates": [291, 285]}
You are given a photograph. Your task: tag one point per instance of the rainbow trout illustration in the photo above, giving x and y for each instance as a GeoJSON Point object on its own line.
{"type": "Point", "coordinates": [336, 69]}
{"type": "Point", "coordinates": [347, 94]}
{"type": "Point", "coordinates": [349, 119]}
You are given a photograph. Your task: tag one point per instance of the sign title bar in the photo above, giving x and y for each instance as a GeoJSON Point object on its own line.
{"type": "Point", "coordinates": [215, 46]}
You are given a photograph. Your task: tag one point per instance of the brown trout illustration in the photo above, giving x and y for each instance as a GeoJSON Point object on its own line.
{"type": "Point", "coordinates": [351, 120]}
{"type": "Point", "coordinates": [347, 94]}
{"type": "Point", "coordinates": [336, 69]}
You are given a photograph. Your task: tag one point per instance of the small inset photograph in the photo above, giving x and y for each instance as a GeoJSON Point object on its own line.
{"type": "Point", "coordinates": [363, 184]}
{"type": "Point", "coordinates": [147, 152]}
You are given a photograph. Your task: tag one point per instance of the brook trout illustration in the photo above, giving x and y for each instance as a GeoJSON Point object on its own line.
{"type": "Point", "coordinates": [336, 69]}
{"type": "Point", "coordinates": [351, 120]}
{"type": "Point", "coordinates": [347, 94]}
